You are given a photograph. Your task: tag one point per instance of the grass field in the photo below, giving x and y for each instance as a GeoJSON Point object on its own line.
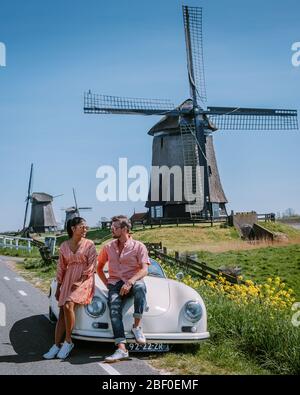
{"type": "Point", "coordinates": [20, 253]}
{"type": "Point", "coordinates": [94, 234]}
{"type": "Point", "coordinates": [259, 264]}
{"type": "Point", "coordinates": [292, 233]}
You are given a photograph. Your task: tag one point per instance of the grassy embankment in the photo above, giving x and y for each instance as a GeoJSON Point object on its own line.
{"type": "Point", "coordinates": [222, 247]}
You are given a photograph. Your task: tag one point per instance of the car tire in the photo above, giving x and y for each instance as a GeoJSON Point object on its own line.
{"type": "Point", "coordinates": [52, 316]}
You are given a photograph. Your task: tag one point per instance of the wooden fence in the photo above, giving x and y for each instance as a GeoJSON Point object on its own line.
{"type": "Point", "coordinates": [189, 265]}
{"type": "Point", "coordinates": [159, 222]}
{"type": "Point", "coordinates": [16, 243]}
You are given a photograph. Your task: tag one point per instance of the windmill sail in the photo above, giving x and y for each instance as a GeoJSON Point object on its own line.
{"type": "Point", "coordinates": [231, 118]}
{"type": "Point", "coordinates": [192, 17]}
{"type": "Point", "coordinates": [29, 191]}
{"type": "Point", "coordinates": [103, 104]}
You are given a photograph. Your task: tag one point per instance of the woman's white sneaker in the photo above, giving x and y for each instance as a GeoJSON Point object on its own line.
{"type": "Point", "coordinates": [52, 353]}
{"type": "Point", "coordinates": [65, 350]}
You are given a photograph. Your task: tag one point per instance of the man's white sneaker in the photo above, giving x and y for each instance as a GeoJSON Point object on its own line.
{"type": "Point", "coordinates": [138, 334]}
{"type": "Point", "coordinates": [118, 355]}
{"type": "Point", "coordinates": [65, 350]}
{"type": "Point", "coordinates": [51, 354]}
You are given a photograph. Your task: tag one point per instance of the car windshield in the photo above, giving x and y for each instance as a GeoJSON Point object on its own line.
{"type": "Point", "coordinates": [155, 270]}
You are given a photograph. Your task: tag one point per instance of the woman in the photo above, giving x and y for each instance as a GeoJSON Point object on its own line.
{"type": "Point", "coordinates": [75, 283]}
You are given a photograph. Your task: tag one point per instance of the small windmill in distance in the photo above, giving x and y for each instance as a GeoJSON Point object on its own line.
{"type": "Point", "coordinates": [72, 212]}
{"type": "Point", "coordinates": [42, 218]}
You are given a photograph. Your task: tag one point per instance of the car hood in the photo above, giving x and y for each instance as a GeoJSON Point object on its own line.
{"type": "Point", "coordinates": [158, 296]}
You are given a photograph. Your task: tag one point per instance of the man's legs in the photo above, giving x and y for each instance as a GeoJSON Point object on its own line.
{"type": "Point", "coordinates": [139, 293]}
{"type": "Point", "coordinates": [115, 304]}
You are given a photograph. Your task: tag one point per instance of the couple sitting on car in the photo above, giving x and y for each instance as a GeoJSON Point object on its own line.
{"type": "Point", "coordinates": [127, 266]}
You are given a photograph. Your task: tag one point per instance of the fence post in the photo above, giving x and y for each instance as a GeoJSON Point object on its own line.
{"type": "Point", "coordinates": [176, 255]}
{"type": "Point", "coordinates": [17, 244]}
{"type": "Point", "coordinates": [165, 250]}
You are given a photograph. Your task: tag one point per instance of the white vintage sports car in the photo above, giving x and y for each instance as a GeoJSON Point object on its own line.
{"type": "Point", "coordinates": [175, 313]}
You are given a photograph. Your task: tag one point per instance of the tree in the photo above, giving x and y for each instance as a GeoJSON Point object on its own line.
{"type": "Point", "coordinates": [289, 212]}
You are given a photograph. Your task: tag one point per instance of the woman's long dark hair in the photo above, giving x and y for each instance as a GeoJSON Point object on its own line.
{"type": "Point", "coordinates": [73, 222]}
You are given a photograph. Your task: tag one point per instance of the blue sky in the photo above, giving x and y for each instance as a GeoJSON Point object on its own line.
{"type": "Point", "coordinates": [56, 50]}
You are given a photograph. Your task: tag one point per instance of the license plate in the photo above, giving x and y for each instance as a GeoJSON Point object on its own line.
{"type": "Point", "coordinates": [149, 347]}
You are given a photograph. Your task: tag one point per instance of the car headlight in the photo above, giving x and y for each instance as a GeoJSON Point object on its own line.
{"type": "Point", "coordinates": [193, 311]}
{"type": "Point", "coordinates": [96, 308]}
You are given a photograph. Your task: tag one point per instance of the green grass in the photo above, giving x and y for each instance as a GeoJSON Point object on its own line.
{"type": "Point", "coordinates": [252, 338]}
{"type": "Point", "coordinates": [187, 237]}
{"type": "Point", "coordinates": [35, 271]}
{"type": "Point", "coordinates": [259, 264]}
{"type": "Point", "coordinates": [210, 357]}
{"type": "Point", "coordinates": [94, 234]}
{"type": "Point", "coordinates": [265, 335]}
{"type": "Point", "coordinates": [20, 253]}
{"type": "Point", "coordinates": [282, 228]}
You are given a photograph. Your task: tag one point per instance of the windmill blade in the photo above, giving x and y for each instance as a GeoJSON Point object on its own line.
{"type": "Point", "coordinates": [56, 196]}
{"type": "Point", "coordinates": [29, 191]}
{"type": "Point", "coordinates": [85, 208]}
{"type": "Point", "coordinates": [236, 118]}
{"type": "Point", "coordinates": [74, 194]}
{"type": "Point", "coordinates": [192, 17]}
{"type": "Point", "coordinates": [30, 181]}
{"type": "Point", "coordinates": [102, 104]}
{"type": "Point", "coordinates": [26, 212]}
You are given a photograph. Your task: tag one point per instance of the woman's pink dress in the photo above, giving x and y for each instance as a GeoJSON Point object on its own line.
{"type": "Point", "coordinates": [75, 273]}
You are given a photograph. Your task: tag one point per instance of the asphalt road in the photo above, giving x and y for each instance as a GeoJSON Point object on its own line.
{"type": "Point", "coordinates": [28, 334]}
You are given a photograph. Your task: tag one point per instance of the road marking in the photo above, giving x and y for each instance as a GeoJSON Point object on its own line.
{"type": "Point", "coordinates": [22, 293]}
{"type": "Point", "coordinates": [6, 278]}
{"type": "Point", "coordinates": [109, 369]}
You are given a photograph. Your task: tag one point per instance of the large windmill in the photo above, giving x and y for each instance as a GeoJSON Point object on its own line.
{"type": "Point", "coordinates": [42, 217]}
{"type": "Point", "coordinates": [72, 212]}
{"type": "Point", "coordinates": [183, 137]}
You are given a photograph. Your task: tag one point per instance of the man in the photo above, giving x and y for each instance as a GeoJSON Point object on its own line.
{"type": "Point", "coordinates": [127, 266]}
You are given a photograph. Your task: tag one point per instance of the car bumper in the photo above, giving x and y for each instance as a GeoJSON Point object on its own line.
{"type": "Point", "coordinates": [167, 338]}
